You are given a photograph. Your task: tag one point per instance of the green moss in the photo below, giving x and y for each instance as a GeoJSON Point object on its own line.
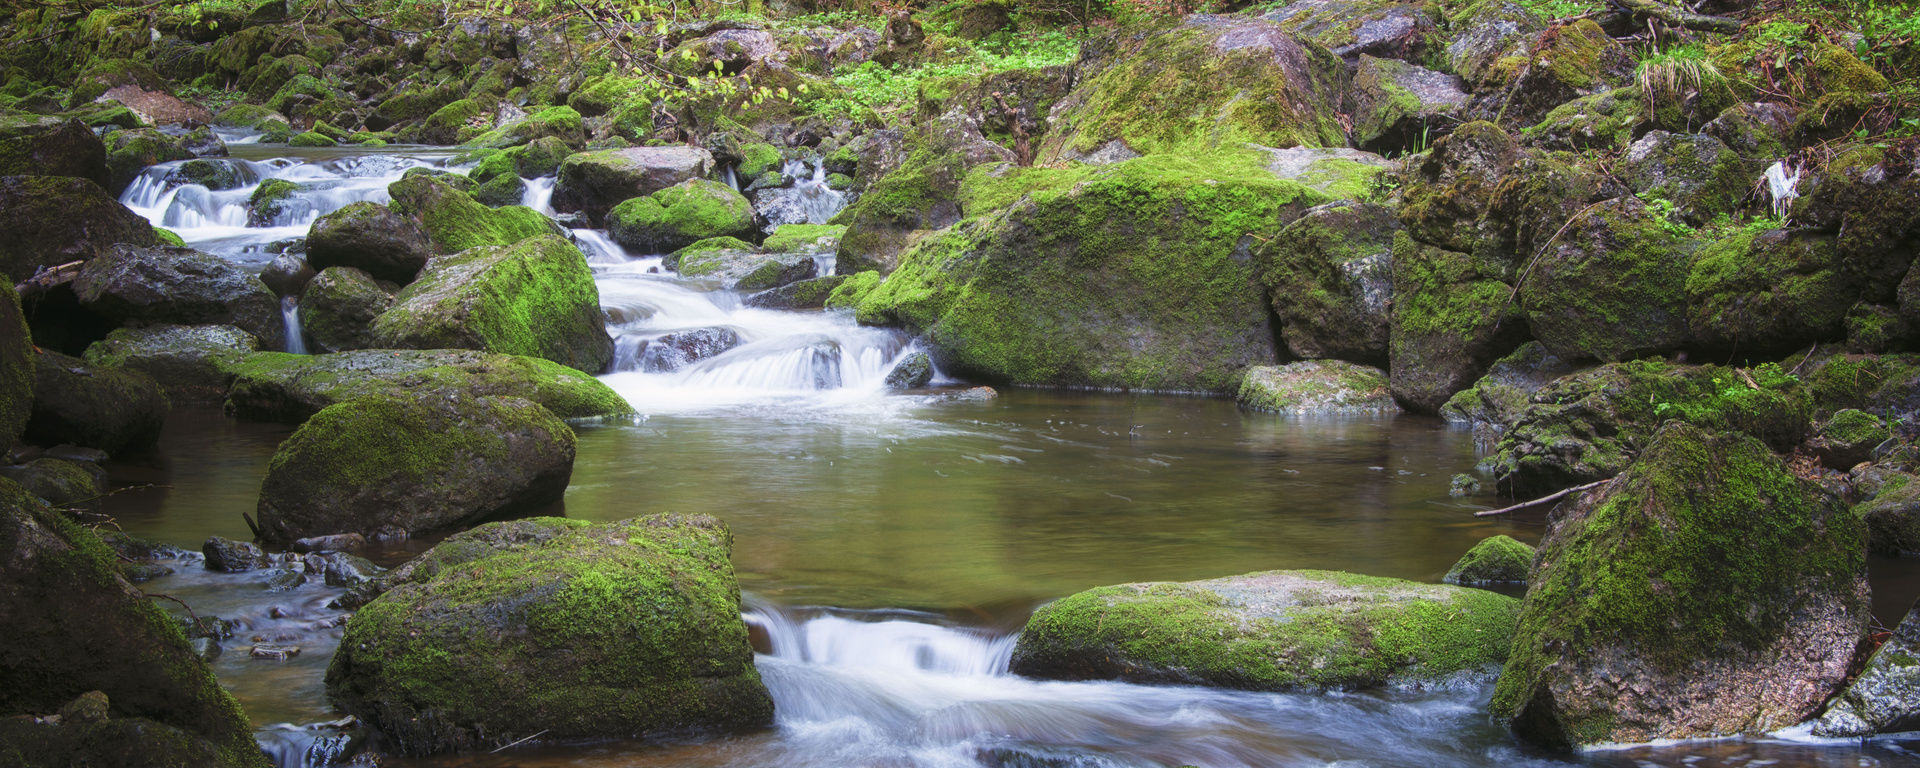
{"type": "Point", "coordinates": [535, 297]}
{"type": "Point", "coordinates": [854, 290]}
{"type": "Point", "coordinates": [1608, 287]}
{"type": "Point", "coordinates": [692, 210]}
{"type": "Point", "coordinates": [311, 139]}
{"type": "Point", "coordinates": [1769, 291]}
{"type": "Point", "coordinates": [556, 122]}
{"type": "Point", "coordinates": [1855, 427]}
{"type": "Point", "coordinates": [268, 201]}
{"type": "Point", "coordinates": [1498, 559]}
{"type": "Point", "coordinates": [276, 386]}
{"type": "Point", "coordinates": [1839, 70]}
{"type": "Point", "coordinates": [1316, 387]}
{"type": "Point", "coordinates": [167, 237]}
{"type": "Point", "coordinates": [756, 159]}
{"type": "Point", "coordinates": [799, 238]}
{"type": "Point", "coordinates": [456, 222]}
{"type": "Point", "coordinates": [446, 123]}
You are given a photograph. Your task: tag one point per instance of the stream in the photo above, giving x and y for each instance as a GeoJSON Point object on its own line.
{"type": "Point", "coordinates": [890, 545]}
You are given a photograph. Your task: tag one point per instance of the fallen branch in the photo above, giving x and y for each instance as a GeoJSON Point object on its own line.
{"type": "Point", "coordinates": [1556, 496]}
{"type": "Point", "coordinates": [1680, 17]}
{"type": "Point", "coordinates": [522, 741]}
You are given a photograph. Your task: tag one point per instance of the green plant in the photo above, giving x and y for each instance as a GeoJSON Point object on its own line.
{"type": "Point", "coordinates": [1676, 73]}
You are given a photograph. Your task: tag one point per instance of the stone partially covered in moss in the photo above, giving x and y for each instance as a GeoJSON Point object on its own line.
{"type": "Point", "coordinates": [1453, 185]}
{"type": "Point", "coordinates": [535, 298]}
{"type": "Point", "coordinates": [1329, 279]}
{"type": "Point", "coordinates": [310, 139]}
{"type": "Point", "coordinates": [504, 189]}
{"type": "Point", "coordinates": [1399, 106]}
{"type": "Point", "coordinates": [1848, 437]}
{"type": "Point", "coordinates": [338, 308]}
{"type": "Point", "coordinates": [1071, 286]}
{"type": "Point", "coordinates": [52, 220]}
{"type": "Point", "coordinates": [849, 294]}
{"type": "Point", "coordinates": [1884, 697]}
{"type": "Point", "coordinates": [268, 206]}
{"type": "Point", "coordinates": [804, 238]}
{"type": "Point", "coordinates": [1272, 631]}
{"type": "Point", "coordinates": [540, 157]}
{"type": "Point", "coordinates": [757, 159]}
{"type": "Point", "coordinates": [113, 409]}
{"type": "Point", "coordinates": [275, 386]}
{"type": "Point", "coordinates": [16, 367]}
{"type": "Point", "coordinates": [51, 146]}
{"type": "Point", "coordinates": [1892, 516]}
{"type": "Point", "coordinates": [1498, 398]}
{"type": "Point", "coordinates": [370, 237]}
{"type": "Point", "coordinates": [1603, 121]}
{"type": "Point", "coordinates": [193, 362]}
{"type": "Point", "coordinates": [621, 630]}
{"type": "Point", "coordinates": [396, 466]}
{"type": "Point", "coordinates": [561, 123]}
{"type": "Point", "coordinates": [1588, 426]}
{"type": "Point", "coordinates": [1705, 592]}
{"type": "Point", "coordinates": [445, 124]}
{"type": "Point", "coordinates": [1489, 36]}
{"type": "Point", "coordinates": [455, 222]}
{"type": "Point", "coordinates": [1610, 286]}
{"type": "Point", "coordinates": [58, 482]}
{"type": "Point", "coordinates": [130, 152]}
{"type": "Point", "coordinates": [1495, 560]}
{"type": "Point", "coordinates": [1565, 62]}
{"type": "Point", "coordinates": [1451, 319]}
{"type": "Point", "coordinates": [677, 216]}
{"type": "Point", "coordinates": [180, 286]}
{"type": "Point", "coordinates": [1316, 387]}
{"type": "Point", "coordinates": [919, 195]}
{"type": "Point", "coordinates": [810, 293]}
{"type": "Point", "coordinates": [1697, 173]}
{"type": "Point", "coordinates": [73, 626]}
{"type": "Point", "coordinates": [1199, 85]}
{"type": "Point", "coordinates": [594, 182]}
{"type": "Point", "coordinates": [1769, 292]}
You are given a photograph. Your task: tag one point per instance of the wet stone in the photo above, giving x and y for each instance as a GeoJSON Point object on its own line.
{"type": "Point", "coordinates": [232, 556]}
{"type": "Point", "coordinates": [275, 652]}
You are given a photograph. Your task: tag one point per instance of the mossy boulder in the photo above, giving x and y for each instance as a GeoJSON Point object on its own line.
{"type": "Point", "coordinates": [1882, 698]}
{"type": "Point", "coordinates": [621, 630]}
{"type": "Point", "coordinates": [1863, 197]}
{"type": "Point", "coordinates": [1847, 438]}
{"type": "Point", "coordinates": [104, 75]}
{"type": "Point", "coordinates": [744, 269]}
{"type": "Point", "coordinates": [1451, 187]}
{"type": "Point", "coordinates": [1488, 38]}
{"type": "Point", "coordinates": [131, 151]}
{"type": "Point", "coordinates": [179, 286]}
{"type": "Point", "coordinates": [113, 409]}
{"type": "Point", "coordinates": [1316, 387]}
{"type": "Point", "coordinates": [919, 194]}
{"type": "Point", "coordinates": [396, 466]}
{"type": "Point", "coordinates": [504, 189]}
{"type": "Point", "coordinates": [1198, 85]}
{"type": "Point", "coordinates": [848, 295]}
{"type": "Point", "coordinates": [455, 222]}
{"type": "Point", "coordinates": [16, 367]}
{"type": "Point", "coordinates": [1892, 516]}
{"type": "Point", "coordinates": [1363, 28]}
{"type": "Point", "coordinates": [193, 362]}
{"type": "Point", "coordinates": [1452, 318]}
{"type": "Point", "coordinates": [31, 145]}
{"type": "Point", "coordinates": [58, 482]}
{"type": "Point", "coordinates": [1769, 292]}
{"type": "Point", "coordinates": [309, 98]}
{"type": "Point", "coordinates": [369, 237]}
{"type": "Point", "coordinates": [804, 238]}
{"type": "Point", "coordinates": [215, 175]}
{"type": "Point", "coordinates": [1565, 62]}
{"type": "Point", "coordinates": [1605, 121]}
{"type": "Point", "coordinates": [540, 157]}
{"type": "Point", "coordinates": [1498, 398]}
{"type": "Point", "coordinates": [535, 298]}
{"type": "Point", "coordinates": [1329, 279]}
{"type": "Point", "coordinates": [1497, 559]}
{"type": "Point", "coordinates": [270, 203]}
{"type": "Point", "coordinates": [677, 216]}
{"type": "Point", "coordinates": [338, 307]}
{"type": "Point", "coordinates": [446, 124]}
{"type": "Point", "coordinates": [757, 159]}
{"type": "Point", "coordinates": [1610, 287]}
{"type": "Point", "coordinates": [75, 626]}
{"type": "Point", "coordinates": [594, 182]}
{"type": "Point", "coordinates": [1131, 275]}
{"type": "Point", "coordinates": [1271, 631]}
{"type": "Point", "coordinates": [275, 386]}
{"type": "Point", "coordinates": [561, 123]}
{"type": "Point", "coordinates": [310, 139]}
{"type": "Point", "coordinates": [1705, 592]}
{"type": "Point", "coordinates": [1702, 177]}
{"type": "Point", "coordinates": [1399, 106]}
{"type": "Point", "coordinates": [52, 220]}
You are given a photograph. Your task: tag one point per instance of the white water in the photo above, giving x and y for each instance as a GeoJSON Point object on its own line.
{"type": "Point", "coordinates": [817, 200]}
{"type": "Point", "coordinates": [290, 316]}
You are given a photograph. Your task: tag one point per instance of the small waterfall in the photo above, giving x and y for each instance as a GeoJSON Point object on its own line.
{"type": "Point", "coordinates": [539, 194]}
{"type": "Point", "coordinates": [599, 248]}
{"type": "Point", "coordinates": [895, 641]}
{"type": "Point", "coordinates": [732, 179]}
{"type": "Point", "coordinates": [290, 315]}
{"type": "Point", "coordinates": [311, 746]}
{"type": "Point", "coordinates": [817, 200]}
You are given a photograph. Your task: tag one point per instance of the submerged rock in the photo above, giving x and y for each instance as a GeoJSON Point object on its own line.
{"type": "Point", "coordinates": [1272, 631]}
{"type": "Point", "coordinates": [1884, 697]}
{"type": "Point", "coordinates": [1495, 560]}
{"type": "Point", "coordinates": [1705, 592]}
{"type": "Point", "coordinates": [275, 386]}
{"type": "Point", "coordinates": [112, 409]}
{"type": "Point", "coordinates": [1316, 387]}
{"type": "Point", "coordinates": [555, 627]}
{"type": "Point", "coordinates": [395, 466]}
{"type": "Point", "coordinates": [678, 349]}
{"type": "Point", "coordinates": [230, 556]}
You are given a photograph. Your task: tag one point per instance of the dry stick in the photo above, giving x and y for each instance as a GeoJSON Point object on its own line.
{"type": "Point", "coordinates": [1542, 500]}
{"type": "Point", "coordinates": [183, 605]}
{"type": "Point", "coordinates": [1680, 17]}
{"type": "Point", "coordinates": [522, 741]}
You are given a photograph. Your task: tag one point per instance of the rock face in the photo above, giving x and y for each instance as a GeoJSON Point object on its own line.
{"type": "Point", "coordinates": [371, 238]}
{"type": "Point", "coordinates": [74, 626]}
{"type": "Point", "coordinates": [553, 626]}
{"type": "Point", "coordinates": [1893, 517]}
{"type": "Point", "coordinates": [1704, 592]}
{"type": "Point", "coordinates": [1452, 318]}
{"type": "Point", "coordinates": [193, 362]}
{"type": "Point", "coordinates": [1885, 697]}
{"type": "Point", "coordinates": [594, 182]}
{"type": "Point", "coordinates": [180, 286]}
{"type": "Point", "coordinates": [1499, 397]}
{"type": "Point", "coordinates": [1609, 287]}
{"type": "Point", "coordinates": [677, 216]}
{"type": "Point", "coordinates": [396, 466]}
{"type": "Point", "coordinates": [51, 220]}
{"type": "Point", "coordinates": [111, 409]}
{"type": "Point", "coordinates": [1316, 387]}
{"type": "Point", "coordinates": [535, 298]}
{"type": "Point", "coordinates": [275, 386]}
{"type": "Point", "coordinates": [1329, 278]}
{"type": "Point", "coordinates": [1272, 631]}
{"type": "Point", "coordinates": [1495, 560]}
{"type": "Point", "coordinates": [1770, 292]}
{"type": "Point", "coordinates": [1071, 285]}
{"type": "Point", "coordinates": [51, 146]}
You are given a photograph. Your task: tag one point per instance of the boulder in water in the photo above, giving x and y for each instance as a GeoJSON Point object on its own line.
{"type": "Point", "coordinates": [455, 222]}
{"type": "Point", "coordinates": [1272, 631]}
{"type": "Point", "coordinates": [913, 371]}
{"type": "Point", "coordinates": [193, 362]}
{"type": "Point", "coordinates": [594, 182]}
{"type": "Point", "coordinates": [51, 146]}
{"type": "Point", "coordinates": [212, 174]}
{"type": "Point", "coordinates": [74, 626]}
{"type": "Point", "coordinates": [230, 556]}
{"type": "Point", "coordinates": [112, 409]}
{"type": "Point", "coordinates": [679, 215]}
{"type": "Point", "coordinates": [1311, 387]}
{"type": "Point", "coordinates": [369, 237]}
{"type": "Point", "coordinates": [1497, 399]}
{"type": "Point", "coordinates": [396, 466]}
{"type": "Point", "coordinates": [276, 386]}
{"type": "Point", "coordinates": [1498, 559]}
{"type": "Point", "coordinates": [810, 293]}
{"type": "Point", "coordinates": [678, 349]}
{"type": "Point", "coordinates": [132, 151]}
{"type": "Point", "coordinates": [338, 308]}
{"type": "Point", "coordinates": [1329, 279]}
{"type": "Point", "coordinates": [535, 297]}
{"type": "Point", "coordinates": [52, 220]}
{"type": "Point", "coordinates": [1884, 697]}
{"type": "Point", "coordinates": [551, 626]}
{"type": "Point", "coordinates": [179, 285]}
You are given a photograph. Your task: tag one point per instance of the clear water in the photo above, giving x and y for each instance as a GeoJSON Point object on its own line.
{"type": "Point", "coordinates": [891, 544]}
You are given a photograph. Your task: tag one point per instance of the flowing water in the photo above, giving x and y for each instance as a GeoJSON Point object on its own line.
{"type": "Point", "coordinates": [891, 544]}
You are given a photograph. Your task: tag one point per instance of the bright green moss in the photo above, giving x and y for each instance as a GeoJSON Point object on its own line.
{"type": "Point", "coordinates": [756, 159]}
{"type": "Point", "coordinates": [1498, 559]}
{"type": "Point", "coordinates": [456, 222]}
{"type": "Point", "coordinates": [311, 139]}
{"type": "Point", "coordinates": [679, 215]}
{"type": "Point", "coordinates": [799, 238]}
{"type": "Point", "coordinates": [535, 297]}
{"type": "Point", "coordinates": [276, 386]}
{"type": "Point", "coordinates": [167, 237]}
{"type": "Point", "coordinates": [854, 290]}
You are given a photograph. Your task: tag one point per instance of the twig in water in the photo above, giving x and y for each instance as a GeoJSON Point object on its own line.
{"type": "Point", "coordinates": [522, 741]}
{"type": "Point", "coordinates": [1542, 500]}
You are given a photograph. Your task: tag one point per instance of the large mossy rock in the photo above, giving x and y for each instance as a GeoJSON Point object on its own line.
{"type": "Point", "coordinates": [73, 626]}
{"type": "Point", "coordinates": [276, 386]}
{"type": "Point", "coordinates": [455, 222]}
{"type": "Point", "coordinates": [1329, 279]}
{"type": "Point", "coordinates": [112, 409]}
{"type": "Point", "coordinates": [1498, 398]}
{"type": "Point", "coordinates": [31, 145]}
{"type": "Point", "coordinates": [130, 152]}
{"type": "Point", "coordinates": [1705, 592]}
{"type": "Point", "coordinates": [1884, 697]}
{"type": "Point", "coordinates": [1131, 275]}
{"type": "Point", "coordinates": [594, 182]}
{"type": "Point", "coordinates": [677, 216]}
{"type": "Point", "coordinates": [52, 220]}
{"type": "Point", "coordinates": [1770, 292]}
{"type": "Point", "coordinates": [396, 466]}
{"type": "Point", "coordinates": [1272, 631]}
{"type": "Point", "coordinates": [1201, 84]}
{"type": "Point", "coordinates": [1610, 287]}
{"type": "Point", "coordinates": [1565, 62]}
{"type": "Point", "coordinates": [338, 307]}
{"type": "Point", "coordinates": [193, 362]}
{"type": "Point", "coordinates": [179, 286]}
{"type": "Point", "coordinates": [369, 237]}
{"type": "Point", "coordinates": [1588, 426]}
{"type": "Point", "coordinates": [555, 627]}
{"type": "Point", "coordinates": [1699, 174]}
{"type": "Point", "coordinates": [1451, 187]}
{"type": "Point", "coordinates": [16, 367]}
{"type": "Point", "coordinates": [1452, 318]}
{"type": "Point", "coordinates": [535, 298]}
{"type": "Point", "coordinates": [1316, 387]}
{"type": "Point", "coordinates": [1398, 106]}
